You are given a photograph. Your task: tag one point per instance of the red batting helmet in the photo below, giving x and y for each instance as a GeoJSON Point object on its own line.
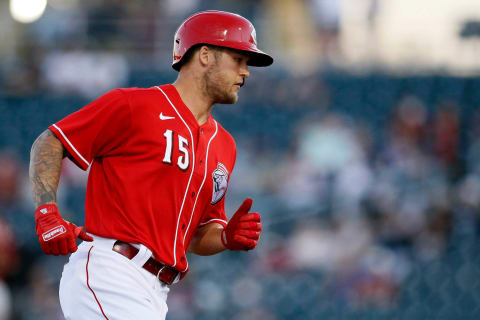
{"type": "Point", "coordinates": [222, 29]}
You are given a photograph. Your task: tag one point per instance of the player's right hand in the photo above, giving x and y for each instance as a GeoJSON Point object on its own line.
{"type": "Point", "coordinates": [57, 236]}
{"type": "Point", "coordinates": [243, 230]}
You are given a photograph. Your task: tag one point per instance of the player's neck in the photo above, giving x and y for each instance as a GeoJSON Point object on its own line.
{"type": "Point", "coordinates": [193, 97]}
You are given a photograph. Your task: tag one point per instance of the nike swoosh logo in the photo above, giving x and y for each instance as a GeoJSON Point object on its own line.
{"type": "Point", "coordinates": [162, 117]}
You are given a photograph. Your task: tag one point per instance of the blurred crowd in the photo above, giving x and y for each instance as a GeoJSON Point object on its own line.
{"type": "Point", "coordinates": [354, 200]}
{"type": "Point", "coordinates": [368, 186]}
{"type": "Point", "coordinates": [86, 48]}
{"type": "Point", "coordinates": [364, 201]}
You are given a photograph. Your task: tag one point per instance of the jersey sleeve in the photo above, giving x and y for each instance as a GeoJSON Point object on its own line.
{"type": "Point", "coordinates": [215, 214]}
{"type": "Point", "coordinates": [98, 129]}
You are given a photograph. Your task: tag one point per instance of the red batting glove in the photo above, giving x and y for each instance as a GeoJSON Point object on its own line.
{"type": "Point", "coordinates": [243, 230]}
{"type": "Point", "coordinates": [57, 236]}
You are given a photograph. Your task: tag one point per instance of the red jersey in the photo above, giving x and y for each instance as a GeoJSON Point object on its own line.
{"type": "Point", "coordinates": [156, 175]}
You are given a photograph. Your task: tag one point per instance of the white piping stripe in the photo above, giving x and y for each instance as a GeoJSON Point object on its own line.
{"type": "Point", "coordinates": [211, 220]}
{"type": "Point", "coordinates": [71, 145]}
{"type": "Point", "coordinates": [189, 179]}
{"type": "Point", "coordinates": [201, 186]}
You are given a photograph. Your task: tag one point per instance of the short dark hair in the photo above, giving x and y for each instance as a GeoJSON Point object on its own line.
{"type": "Point", "coordinates": [191, 52]}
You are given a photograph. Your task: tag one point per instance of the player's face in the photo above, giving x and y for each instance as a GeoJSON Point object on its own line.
{"type": "Point", "coordinates": [225, 77]}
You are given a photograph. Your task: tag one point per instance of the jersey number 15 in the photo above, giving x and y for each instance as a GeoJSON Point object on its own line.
{"type": "Point", "coordinates": [183, 160]}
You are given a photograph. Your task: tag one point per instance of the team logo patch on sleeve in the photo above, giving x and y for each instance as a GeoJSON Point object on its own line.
{"type": "Point", "coordinates": [220, 182]}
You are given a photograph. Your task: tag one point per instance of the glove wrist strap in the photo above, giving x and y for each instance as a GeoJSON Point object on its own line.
{"type": "Point", "coordinates": [49, 208]}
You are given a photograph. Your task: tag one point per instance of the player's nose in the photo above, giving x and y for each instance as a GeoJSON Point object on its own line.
{"type": "Point", "coordinates": [244, 72]}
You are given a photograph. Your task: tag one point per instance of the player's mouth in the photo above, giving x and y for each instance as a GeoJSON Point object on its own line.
{"type": "Point", "coordinates": [239, 84]}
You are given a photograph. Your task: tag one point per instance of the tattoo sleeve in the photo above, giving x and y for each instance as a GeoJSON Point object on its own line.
{"type": "Point", "coordinates": [45, 167]}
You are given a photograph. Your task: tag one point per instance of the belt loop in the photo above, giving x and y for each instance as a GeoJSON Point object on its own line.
{"type": "Point", "coordinates": [142, 256]}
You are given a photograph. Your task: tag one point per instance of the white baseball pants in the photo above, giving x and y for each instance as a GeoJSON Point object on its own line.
{"type": "Point", "coordinates": [98, 283]}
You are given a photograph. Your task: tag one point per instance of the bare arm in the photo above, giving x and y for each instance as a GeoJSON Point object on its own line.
{"type": "Point", "coordinates": [45, 167]}
{"type": "Point", "coordinates": [207, 240]}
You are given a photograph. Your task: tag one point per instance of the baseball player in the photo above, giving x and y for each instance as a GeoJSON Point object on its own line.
{"type": "Point", "coordinates": [159, 169]}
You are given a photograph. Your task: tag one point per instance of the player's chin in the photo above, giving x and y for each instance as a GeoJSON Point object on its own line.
{"type": "Point", "coordinates": [234, 96]}
{"type": "Point", "coordinates": [230, 98]}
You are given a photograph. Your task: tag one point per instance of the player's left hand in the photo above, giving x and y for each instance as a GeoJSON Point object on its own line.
{"type": "Point", "coordinates": [243, 230]}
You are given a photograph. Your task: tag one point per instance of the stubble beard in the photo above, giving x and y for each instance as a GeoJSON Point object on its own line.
{"type": "Point", "coordinates": [216, 87]}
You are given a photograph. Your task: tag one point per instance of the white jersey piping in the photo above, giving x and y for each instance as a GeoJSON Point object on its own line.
{"type": "Point", "coordinates": [71, 145]}
{"type": "Point", "coordinates": [213, 220]}
{"type": "Point", "coordinates": [201, 186]}
{"type": "Point", "coordinates": [189, 179]}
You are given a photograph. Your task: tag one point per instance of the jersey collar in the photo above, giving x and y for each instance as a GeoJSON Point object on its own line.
{"type": "Point", "coordinates": [174, 96]}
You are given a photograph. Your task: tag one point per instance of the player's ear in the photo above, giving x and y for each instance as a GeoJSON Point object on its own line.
{"type": "Point", "coordinates": [205, 56]}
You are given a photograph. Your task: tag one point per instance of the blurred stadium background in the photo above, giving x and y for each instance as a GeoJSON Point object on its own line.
{"type": "Point", "coordinates": [360, 147]}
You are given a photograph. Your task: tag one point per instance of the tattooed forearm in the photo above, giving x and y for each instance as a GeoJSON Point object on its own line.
{"type": "Point", "coordinates": [45, 166]}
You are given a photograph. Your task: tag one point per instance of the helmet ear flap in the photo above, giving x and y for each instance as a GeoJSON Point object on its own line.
{"type": "Point", "coordinates": [186, 57]}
